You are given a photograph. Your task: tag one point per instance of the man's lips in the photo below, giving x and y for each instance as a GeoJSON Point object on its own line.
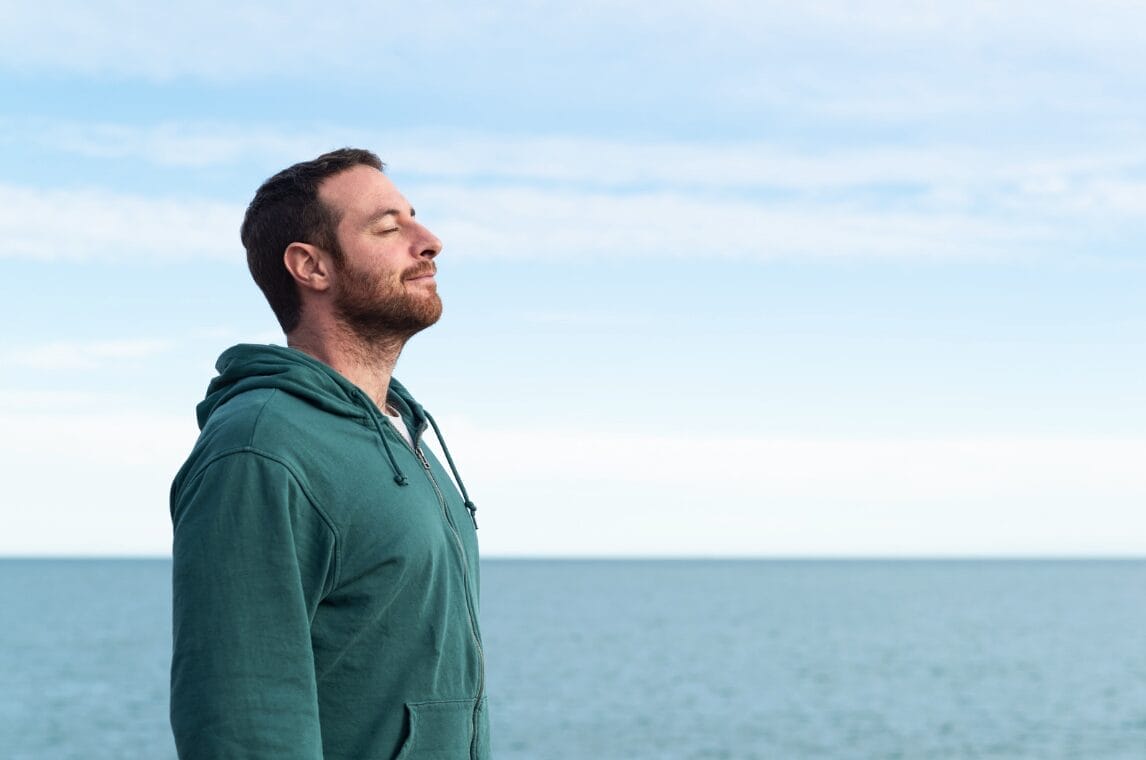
{"type": "Point", "coordinates": [426, 274]}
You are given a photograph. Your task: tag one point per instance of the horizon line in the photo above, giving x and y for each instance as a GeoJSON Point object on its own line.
{"type": "Point", "coordinates": [858, 557]}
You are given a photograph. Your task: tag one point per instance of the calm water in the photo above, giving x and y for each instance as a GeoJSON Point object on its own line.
{"type": "Point", "coordinates": [688, 659]}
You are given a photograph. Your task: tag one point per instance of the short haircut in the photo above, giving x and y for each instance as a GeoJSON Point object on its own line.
{"type": "Point", "coordinates": [286, 209]}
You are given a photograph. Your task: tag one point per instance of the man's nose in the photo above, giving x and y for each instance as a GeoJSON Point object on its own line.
{"type": "Point", "coordinates": [430, 244]}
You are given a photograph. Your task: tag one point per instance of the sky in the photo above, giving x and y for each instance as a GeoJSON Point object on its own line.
{"type": "Point", "coordinates": [728, 279]}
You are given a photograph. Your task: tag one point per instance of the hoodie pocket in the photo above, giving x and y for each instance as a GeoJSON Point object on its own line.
{"type": "Point", "coordinates": [438, 730]}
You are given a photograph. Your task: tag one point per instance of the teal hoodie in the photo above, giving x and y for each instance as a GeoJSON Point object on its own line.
{"type": "Point", "coordinates": [325, 576]}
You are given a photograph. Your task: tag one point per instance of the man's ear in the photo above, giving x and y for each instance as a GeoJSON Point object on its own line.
{"type": "Point", "coordinates": [309, 265]}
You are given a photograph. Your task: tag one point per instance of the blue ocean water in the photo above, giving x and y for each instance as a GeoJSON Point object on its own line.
{"type": "Point", "coordinates": [638, 660]}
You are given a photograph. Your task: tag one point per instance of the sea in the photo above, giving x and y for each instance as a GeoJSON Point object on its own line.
{"type": "Point", "coordinates": [662, 659]}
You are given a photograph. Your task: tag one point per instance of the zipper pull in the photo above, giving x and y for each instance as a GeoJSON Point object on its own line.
{"type": "Point", "coordinates": [422, 458]}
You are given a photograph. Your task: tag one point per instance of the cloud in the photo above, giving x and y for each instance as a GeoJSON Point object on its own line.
{"type": "Point", "coordinates": [901, 470]}
{"type": "Point", "coordinates": [898, 60]}
{"type": "Point", "coordinates": [39, 400]}
{"type": "Point", "coordinates": [554, 196]}
{"type": "Point", "coordinates": [99, 224]}
{"type": "Point", "coordinates": [523, 223]}
{"type": "Point", "coordinates": [74, 355]}
{"type": "Point", "coordinates": [89, 483]}
{"type": "Point", "coordinates": [171, 144]}
{"type": "Point", "coordinates": [994, 195]}
{"type": "Point", "coordinates": [1013, 166]}
{"type": "Point", "coordinates": [575, 491]}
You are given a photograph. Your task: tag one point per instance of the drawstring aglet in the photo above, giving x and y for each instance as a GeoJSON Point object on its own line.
{"type": "Point", "coordinates": [473, 512]}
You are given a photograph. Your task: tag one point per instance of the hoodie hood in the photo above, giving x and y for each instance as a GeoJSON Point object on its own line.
{"type": "Point", "coordinates": [248, 367]}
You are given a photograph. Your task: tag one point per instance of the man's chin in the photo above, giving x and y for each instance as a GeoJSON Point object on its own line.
{"type": "Point", "coordinates": [404, 321]}
{"type": "Point", "coordinates": [429, 311]}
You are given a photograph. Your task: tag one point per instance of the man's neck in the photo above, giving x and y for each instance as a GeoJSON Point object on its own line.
{"type": "Point", "coordinates": [367, 364]}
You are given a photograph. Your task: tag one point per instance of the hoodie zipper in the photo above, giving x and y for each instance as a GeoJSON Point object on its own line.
{"type": "Point", "coordinates": [466, 583]}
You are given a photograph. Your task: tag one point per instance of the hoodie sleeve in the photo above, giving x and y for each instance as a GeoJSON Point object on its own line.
{"type": "Point", "coordinates": [253, 556]}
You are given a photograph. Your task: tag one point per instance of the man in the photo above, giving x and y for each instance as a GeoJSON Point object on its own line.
{"type": "Point", "coordinates": [325, 566]}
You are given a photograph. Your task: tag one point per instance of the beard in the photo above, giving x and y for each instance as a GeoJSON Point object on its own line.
{"type": "Point", "coordinates": [377, 308]}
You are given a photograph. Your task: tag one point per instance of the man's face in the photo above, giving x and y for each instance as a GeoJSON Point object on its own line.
{"type": "Point", "coordinates": [385, 286]}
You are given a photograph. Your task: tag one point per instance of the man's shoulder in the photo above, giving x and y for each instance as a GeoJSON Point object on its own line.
{"type": "Point", "coordinates": [263, 424]}
{"type": "Point", "coordinates": [262, 411]}
{"type": "Point", "coordinates": [265, 420]}
{"type": "Point", "coordinates": [237, 420]}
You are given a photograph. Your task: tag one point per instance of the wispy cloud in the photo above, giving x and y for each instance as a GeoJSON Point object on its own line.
{"type": "Point", "coordinates": [524, 223]}
{"type": "Point", "coordinates": [105, 225]}
{"type": "Point", "coordinates": [1002, 166]}
{"type": "Point", "coordinates": [173, 144]}
{"type": "Point", "coordinates": [889, 62]}
{"type": "Point", "coordinates": [561, 196]}
{"type": "Point", "coordinates": [39, 400]}
{"type": "Point", "coordinates": [754, 198]}
{"type": "Point", "coordinates": [74, 355]}
{"type": "Point", "coordinates": [517, 221]}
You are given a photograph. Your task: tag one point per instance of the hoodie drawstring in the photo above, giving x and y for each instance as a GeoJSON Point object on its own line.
{"type": "Point", "coordinates": [399, 476]}
{"type": "Point", "coordinates": [470, 506]}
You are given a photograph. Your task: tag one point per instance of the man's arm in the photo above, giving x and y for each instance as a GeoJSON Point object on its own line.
{"type": "Point", "coordinates": [252, 559]}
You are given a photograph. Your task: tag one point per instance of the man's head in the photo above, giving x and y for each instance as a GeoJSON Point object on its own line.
{"type": "Point", "coordinates": [287, 209]}
{"type": "Point", "coordinates": [303, 222]}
